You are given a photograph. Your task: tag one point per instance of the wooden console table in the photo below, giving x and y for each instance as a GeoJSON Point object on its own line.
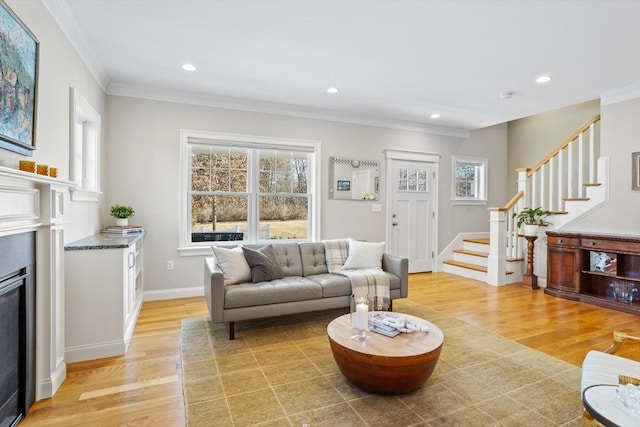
{"type": "Point", "coordinates": [571, 275]}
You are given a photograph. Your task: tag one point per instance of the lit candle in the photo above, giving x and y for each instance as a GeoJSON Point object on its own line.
{"type": "Point", "coordinates": [362, 314]}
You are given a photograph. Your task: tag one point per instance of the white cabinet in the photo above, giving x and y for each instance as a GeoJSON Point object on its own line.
{"type": "Point", "coordinates": [104, 286]}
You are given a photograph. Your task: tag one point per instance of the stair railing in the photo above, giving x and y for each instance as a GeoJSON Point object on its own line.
{"type": "Point", "coordinates": [561, 176]}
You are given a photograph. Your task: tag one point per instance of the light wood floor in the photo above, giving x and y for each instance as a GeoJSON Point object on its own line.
{"type": "Point", "coordinates": [144, 387]}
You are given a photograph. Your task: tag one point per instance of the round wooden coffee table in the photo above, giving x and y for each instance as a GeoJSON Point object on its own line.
{"type": "Point", "coordinates": [386, 365]}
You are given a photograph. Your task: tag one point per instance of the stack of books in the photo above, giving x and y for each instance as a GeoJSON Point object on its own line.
{"type": "Point", "coordinates": [377, 324]}
{"type": "Point", "coordinates": [129, 229]}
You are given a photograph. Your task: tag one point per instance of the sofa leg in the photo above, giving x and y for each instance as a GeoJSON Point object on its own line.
{"type": "Point", "coordinates": [232, 331]}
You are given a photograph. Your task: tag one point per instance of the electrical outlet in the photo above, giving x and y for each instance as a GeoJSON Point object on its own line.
{"type": "Point", "coordinates": [170, 265]}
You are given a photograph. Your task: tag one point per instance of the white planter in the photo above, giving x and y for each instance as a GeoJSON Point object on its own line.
{"type": "Point", "coordinates": [529, 230]}
{"type": "Point", "coordinates": [122, 222]}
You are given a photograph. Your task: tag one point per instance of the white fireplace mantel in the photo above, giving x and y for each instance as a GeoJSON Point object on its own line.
{"type": "Point", "coordinates": [31, 202]}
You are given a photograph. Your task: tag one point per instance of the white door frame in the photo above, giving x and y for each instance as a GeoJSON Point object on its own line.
{"type": "Point", "coordinates": [419, 157]}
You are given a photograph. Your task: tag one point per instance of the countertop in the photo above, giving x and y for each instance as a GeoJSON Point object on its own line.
{"type": "Point", "coordinates": [104, 241]}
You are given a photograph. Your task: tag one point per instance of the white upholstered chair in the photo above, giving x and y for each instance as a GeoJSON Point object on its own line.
{"type": "Point", "coordinates": [602, 367]}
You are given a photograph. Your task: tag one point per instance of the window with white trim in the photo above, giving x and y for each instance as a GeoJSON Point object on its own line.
{"type": "Point", "coordinates": [248, 189]}
{"type": "Point", "coordinates": [84, 162]}
{"type": "Point", "coordinates": [469, 180]}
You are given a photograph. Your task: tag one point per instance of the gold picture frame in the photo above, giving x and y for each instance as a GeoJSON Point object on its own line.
{"type": "Point", "coordinates": [635, 171]}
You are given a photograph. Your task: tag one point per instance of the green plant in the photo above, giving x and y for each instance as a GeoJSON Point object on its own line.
{"type": "Point", "coordinates": [531, 216]}
{"type": "Point", "coordinates": [121, 211]}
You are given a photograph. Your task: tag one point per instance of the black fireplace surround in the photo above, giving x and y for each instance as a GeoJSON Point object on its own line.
{"type": "Point", "coordinates": [17, 327]}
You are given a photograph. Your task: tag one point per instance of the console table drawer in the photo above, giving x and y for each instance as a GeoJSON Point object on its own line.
{"type": "Point", "coordinates": [563, 241]}
{"type": "Point", "coordinates": [610, 245]}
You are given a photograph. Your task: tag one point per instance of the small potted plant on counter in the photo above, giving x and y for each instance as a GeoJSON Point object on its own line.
{"type": "Point", "coordinates": [122, 214]}
{"type": "Point", "coordinates": [530, 219]}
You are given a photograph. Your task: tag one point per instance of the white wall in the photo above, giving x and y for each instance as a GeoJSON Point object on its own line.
{"type": "Point", "coordinates": [60, 68]}
{"type": "Point", "coordinates": [143, 171]}
{"type": "Point", "coordinates": [620, 136]}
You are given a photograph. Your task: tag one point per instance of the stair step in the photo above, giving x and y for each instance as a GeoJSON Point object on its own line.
{"type": "Point", "coordinates": [469, 266]}
{"type": "Point", "coordinates": [482, 240]}
{"type": "Point", "coordinates": [472, 253]}
{"type": "Point", "coordinates": [576, 199]}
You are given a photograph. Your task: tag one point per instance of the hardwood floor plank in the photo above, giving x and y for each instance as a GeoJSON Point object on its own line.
{"type": "Point", "coordinates": [144, 388]}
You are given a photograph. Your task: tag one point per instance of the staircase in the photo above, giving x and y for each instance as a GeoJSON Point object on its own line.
{"type": "Point", "coordinates": [570, 181]}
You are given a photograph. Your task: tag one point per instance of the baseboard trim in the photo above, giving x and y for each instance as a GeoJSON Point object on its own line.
{"type": "Point", "coordinates": [95, 351]}
{"type": "Point", "coordinates": [196, 291]}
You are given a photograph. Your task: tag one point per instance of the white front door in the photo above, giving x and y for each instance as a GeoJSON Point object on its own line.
{"type": "Point", "coordinates": [412, 190]}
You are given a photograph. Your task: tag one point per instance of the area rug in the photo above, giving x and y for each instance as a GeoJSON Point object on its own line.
{"type": "Point", "coordinates": [280, 372]}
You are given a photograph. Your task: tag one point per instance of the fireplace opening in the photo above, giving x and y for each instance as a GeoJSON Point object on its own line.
{"type": "Point", "coordinates": [17, 327]}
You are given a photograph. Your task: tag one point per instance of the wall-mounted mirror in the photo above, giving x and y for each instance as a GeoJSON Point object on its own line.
{"type": "Point", "coordinates": [353, 179]}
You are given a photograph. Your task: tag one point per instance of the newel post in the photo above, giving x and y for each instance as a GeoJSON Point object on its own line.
{"type": "Point", "coordinates": [497, 261]}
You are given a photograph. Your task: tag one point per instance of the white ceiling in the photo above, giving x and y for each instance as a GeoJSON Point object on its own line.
{"type": "Point", "coordinates": [395, 62]}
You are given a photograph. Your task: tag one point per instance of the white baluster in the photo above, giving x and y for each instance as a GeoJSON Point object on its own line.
{"type": "Point", "coordinates": [592, 154]}
{"type": "Point", "coordinates": [581, 165]}
{"type": "Point", "coordinates": [561, 181]}
{"type": "Point", "coordinates": [570, 170]}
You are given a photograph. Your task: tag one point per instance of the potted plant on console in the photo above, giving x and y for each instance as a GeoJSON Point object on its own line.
{"type": "Point", "coordinates": [530, 219]}
{"type": "Point", "coordinates": [122, 214]}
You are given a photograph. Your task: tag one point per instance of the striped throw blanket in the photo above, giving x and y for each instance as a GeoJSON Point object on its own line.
{"type": "Point", "coordinates": [365, 281]}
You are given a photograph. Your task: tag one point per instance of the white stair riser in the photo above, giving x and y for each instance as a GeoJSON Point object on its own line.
{"type": "Point", "coordinates": [465, 272]}
{"type": "Point", "coordinates": [477, 247]}
{"type": "Point", "coordinates": [470, 259]}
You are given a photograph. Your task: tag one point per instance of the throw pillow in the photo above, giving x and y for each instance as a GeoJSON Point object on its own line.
{"type": "Point", "coordinates": [233, 264]}
{"type": "Point", "coordinates": [364, 255]}
{"type": "Point", "coordinates": [263, 263]}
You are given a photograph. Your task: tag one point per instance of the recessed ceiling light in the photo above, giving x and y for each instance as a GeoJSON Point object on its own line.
{"type": "Point", "coordinates": [543, 79]}
{"type": "Point", "coordinates": [188, 67]}
{"type": "Point", "coordinates": [332, 90]}
{"type": "Point", "coordinates": [435, 116]}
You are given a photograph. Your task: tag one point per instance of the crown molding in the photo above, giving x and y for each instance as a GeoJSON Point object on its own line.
{"type": "Point", "coordinates": [61, 13]}
{"type": "Point", "coordinates": [241, 104]}
{"type": "Point", "coordinates": [620, 95]}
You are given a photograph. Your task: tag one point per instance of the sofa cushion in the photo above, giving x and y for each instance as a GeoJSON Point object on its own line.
{"type": "Point", "coordinates": [263, 263]}
{"type": "Point", "coordinates": [333, 285]}
{"type": "Point", "coordinates": [313, 258]}
{"type": "Point", "coordinates": [233, 264]}
{"type": "Point", "coordinates": [288, 255]}
{"type": "Point", "coordinates": [364, 255]}
{"type": "Point", "coordinates": [287, 289]}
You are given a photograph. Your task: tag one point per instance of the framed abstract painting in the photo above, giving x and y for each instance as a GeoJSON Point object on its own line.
{"type": "Point", "coordinates": [18, 83]}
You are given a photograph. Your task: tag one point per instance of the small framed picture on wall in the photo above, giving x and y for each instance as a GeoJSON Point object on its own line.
{"type": "Point", "coordinates": [635, 171]}
{"type": "Point", "coordinates": [344, 185]}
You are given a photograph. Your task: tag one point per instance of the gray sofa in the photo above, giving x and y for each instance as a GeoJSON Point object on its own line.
{"type": "Point", "coordinates": [306, 286]}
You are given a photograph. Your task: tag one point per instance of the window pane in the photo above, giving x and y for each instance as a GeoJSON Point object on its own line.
{"type": "Point", "coordinates": [220, 180]}
{"type": "Point", "coordinates": [224, 215]}
{"type": "Point", "coordinates": [284, 217]}
{"type": "Point", "coordinates": [238, 181]}
{"type": "Point", "coordinates": [200, 157]}
{"type": "Point", "coordinates": [200, 179]}
{"type": "Point", "coordinates": [267, 185]}
{"type": "Point", "coordinates": [299, 172]}
{"type": "Point", "coordinates": [422, 181]}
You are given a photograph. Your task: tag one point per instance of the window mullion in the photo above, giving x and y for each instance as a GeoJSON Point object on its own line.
{"type": "Point", "coordinates": [253, 174]}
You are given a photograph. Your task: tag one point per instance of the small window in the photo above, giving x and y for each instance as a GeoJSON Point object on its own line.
{"type": "Point", "coordinates": [469, 180]}
{"type": "Point", "coordinates": [84, 136]}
